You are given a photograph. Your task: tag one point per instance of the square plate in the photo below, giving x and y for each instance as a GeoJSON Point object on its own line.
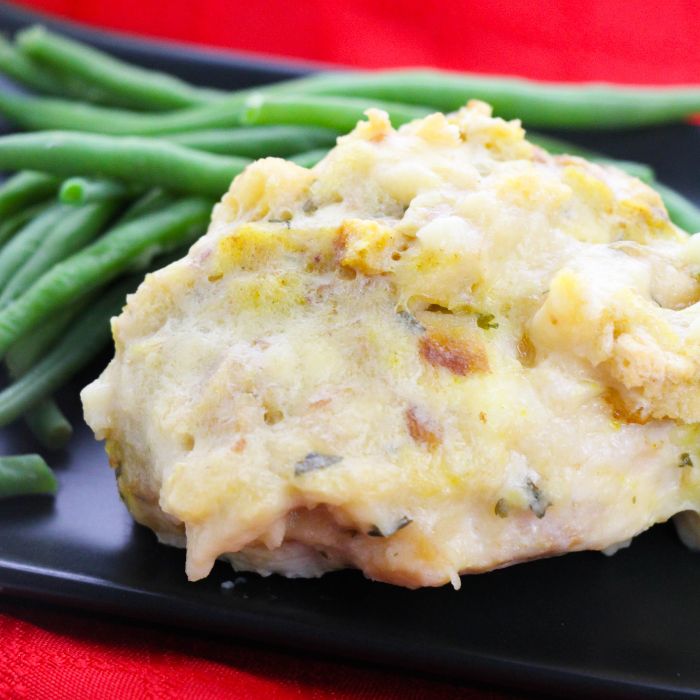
{"type": "Point", "coordinates": [626, 626]}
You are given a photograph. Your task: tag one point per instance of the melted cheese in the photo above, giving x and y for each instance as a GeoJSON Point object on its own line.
{"type": "Point", "coordinates": [439, 351]}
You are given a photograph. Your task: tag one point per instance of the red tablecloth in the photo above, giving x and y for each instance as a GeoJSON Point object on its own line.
{"type": "Point", "coordinates": [47, 653]}
{"type": "Point", "coordinates": [64, 655]}
{"type": "Point", "coordinates": [622, 40]}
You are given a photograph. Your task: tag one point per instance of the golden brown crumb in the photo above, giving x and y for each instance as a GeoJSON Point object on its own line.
{"type": "Point", "coordinates": [454, 355]}
{"type": "Point", "coordinates": [422, 428]}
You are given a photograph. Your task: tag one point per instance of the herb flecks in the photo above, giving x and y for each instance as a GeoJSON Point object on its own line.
{"type": "Point", "coordinates": [439, 309]}
{"type": "Point", "coordinates": [501, 509]}
{"type": "Point", "coordinates": [309, 206]}
{"type": "Point", "coordinates": [315, 461]}
{"type": "Point", "coordinates": [286, 222]}
{"type": "Point", "coordinates": [685, 460]}
{"type": "Point", "coordinates": [486, 321]}
{"type": "Point", "coordinates": [526, 352]}
{"type": "Point", "coordinates": [537, 501]}
{"type": "Point", "coordinates": [401, 523]}
{"type": "Point", "coordinates": [412, 322]}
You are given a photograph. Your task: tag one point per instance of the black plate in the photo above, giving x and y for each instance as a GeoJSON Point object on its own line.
{"type": "Point", "coordinates": [624, 626]}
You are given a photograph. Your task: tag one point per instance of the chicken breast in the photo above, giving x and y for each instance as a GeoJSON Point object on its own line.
{"type": "Point", "coordinates": [438, 352]}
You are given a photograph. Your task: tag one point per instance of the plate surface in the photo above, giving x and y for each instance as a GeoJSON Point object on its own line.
{"type": "Point", "coordinates": [622, 626]}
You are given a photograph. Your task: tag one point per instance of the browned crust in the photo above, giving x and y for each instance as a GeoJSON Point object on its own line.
{"type": "Point", "coordinates": [453, 355]}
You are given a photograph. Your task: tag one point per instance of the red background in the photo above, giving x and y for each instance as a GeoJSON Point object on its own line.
{"type": "Point", "coordinates": [629, 40]}
{"type": "Point", "coordinates": [61, 654]}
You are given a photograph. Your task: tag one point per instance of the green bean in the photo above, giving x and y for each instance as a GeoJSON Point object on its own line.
{"type": "Point", "coordinates": [258, 141]}
{"type": "Point", "coordinates": [22, 475]}
{"type": "Point", "coordinates": [594, 105]}
{"type": "Point", "coordinates": [149, 162]}
{"type": "Point", "coordinates": [23, 189]}
{"type": "Point", "coordinates": [538, 104]}
{"type": "Point", "coordinates": [258, 108]}
{"type": "Point", "coordinates": [101, 262]}
{"type": "Point", "coordinates": [14, 223]}
{"type": "Point", "coordinates": [33, 346]}
{"type": "Point", "coordinates": [309, 158]}
{"type": "Point", "coordinates": [68, 235]}
{"type": "Point", "coordinates": [340, 113]}
{"type": "Point", "coordinates": [684, 213]}
{"type": "Point", "coordinates": [26, 241]}
{"type": "Point", "coordinates": [85, 338]}
{"type": "Point", "coordinates": [45, 419]}
{"type": "Point", "coordinates": [35, 113]}
{"type": "Point", "coordinates": [23, 70]}
{"type": "Point", "coordinates": [150, 202]}
{"type": "Point", "coordinates": [53, 64]}
{"type": "Point", "coordinates": [81, 190]}
{"type": "Point", "coordinates": [50, 113]}
{"type": "Point", "coordinates": [125, 83]}
{"type": "Point", "coordinates": [48, 424]}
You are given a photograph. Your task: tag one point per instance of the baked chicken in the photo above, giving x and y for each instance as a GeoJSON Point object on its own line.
{"type": "Point", "coordinates": [439, 351]}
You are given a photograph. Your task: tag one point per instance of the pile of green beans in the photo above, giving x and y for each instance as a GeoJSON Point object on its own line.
{"type": "Point", "coordinates": [121, 166]}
